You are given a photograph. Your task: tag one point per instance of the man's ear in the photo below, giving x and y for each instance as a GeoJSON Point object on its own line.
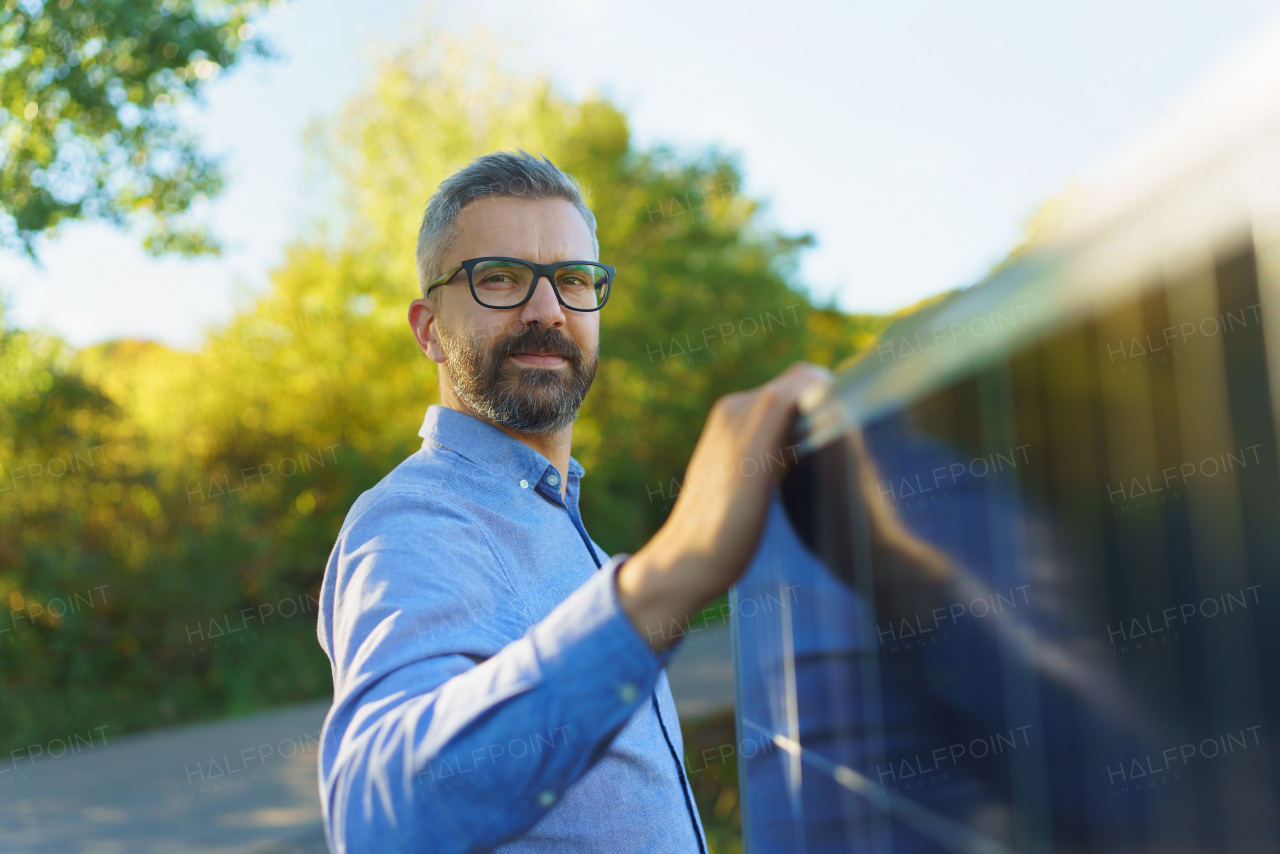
{"type": "Point", "coordinates": [422, 320]}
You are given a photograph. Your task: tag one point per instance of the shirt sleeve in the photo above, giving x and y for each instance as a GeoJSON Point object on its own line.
{"type": "Point", "coordinates": [455, 726]}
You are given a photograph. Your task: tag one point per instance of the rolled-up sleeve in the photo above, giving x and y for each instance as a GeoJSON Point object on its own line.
{"type": "Point", "coordinates": [457, 721]}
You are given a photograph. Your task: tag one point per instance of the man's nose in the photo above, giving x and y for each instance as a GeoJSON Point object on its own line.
{"type": "Point", "coordinates": [543, 305]}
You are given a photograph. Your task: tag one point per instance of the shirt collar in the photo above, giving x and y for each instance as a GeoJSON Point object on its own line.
{"type": "Point", "coordinates": [487, 446]}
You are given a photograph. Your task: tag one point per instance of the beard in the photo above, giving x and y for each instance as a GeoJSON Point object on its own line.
{"type": "Point", "coordinates": [523, 398]}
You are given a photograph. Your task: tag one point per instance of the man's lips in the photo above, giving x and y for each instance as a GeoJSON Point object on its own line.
{"type": "Point", "coordinates": [541, 359]}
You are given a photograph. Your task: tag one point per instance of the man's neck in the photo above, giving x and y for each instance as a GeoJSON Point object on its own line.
{"type": "Point", "coordinates": [554, 446]}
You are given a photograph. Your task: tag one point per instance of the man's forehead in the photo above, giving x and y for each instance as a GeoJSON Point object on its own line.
{"type": "Point", "coordinates": [539, 230]}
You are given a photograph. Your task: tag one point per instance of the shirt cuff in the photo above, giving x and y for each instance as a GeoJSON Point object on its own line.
{"type": "Point", "coordinates": [611, 569]}
{"type": "Point", "coordinates": [588, 639]}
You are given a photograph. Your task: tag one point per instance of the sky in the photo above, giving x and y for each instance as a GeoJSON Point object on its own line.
{"type": "Point", "coordinates": [912, 139]}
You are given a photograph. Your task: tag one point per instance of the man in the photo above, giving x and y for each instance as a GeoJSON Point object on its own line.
{"type": "Point", "coordinates": [498, 679]}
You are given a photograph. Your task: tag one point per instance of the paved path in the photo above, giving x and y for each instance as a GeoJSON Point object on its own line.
{"type": "Point", "coordinates": [245, 786]}
{"type": "Point", "coordinates": [701, 674]}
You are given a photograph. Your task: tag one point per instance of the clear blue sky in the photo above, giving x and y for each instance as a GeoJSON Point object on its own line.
{"type": "Point", "coordinates": [913, 139]}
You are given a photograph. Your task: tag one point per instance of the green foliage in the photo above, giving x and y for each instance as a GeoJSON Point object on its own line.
{"type": "Point", "coordinates": [88, 94]}
{"type": "Point", "coordinates": [116, 557]}
{"type": "Point", "coordinates": [711, 761]}
{"type": "Point", "coordinates": [190, 515]}
{"type": "Point", "coordinates": [702, 304]}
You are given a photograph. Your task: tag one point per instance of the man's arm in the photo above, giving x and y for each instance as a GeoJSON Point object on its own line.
{"type": "Point", "coordinates": [453, 728]}
{"type": "Point", "coordinates": [715, 525]}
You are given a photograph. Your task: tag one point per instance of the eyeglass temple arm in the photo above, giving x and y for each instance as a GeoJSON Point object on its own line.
{"type": "Point", "coordinates": [444, 279]}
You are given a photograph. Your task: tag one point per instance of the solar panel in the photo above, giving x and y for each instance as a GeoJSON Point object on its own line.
{"type": "Point", "coordinates": [1020, 594]}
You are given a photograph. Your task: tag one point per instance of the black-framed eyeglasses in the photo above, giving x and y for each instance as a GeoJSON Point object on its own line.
{"type": "Point", "coordinates": [509, 282]}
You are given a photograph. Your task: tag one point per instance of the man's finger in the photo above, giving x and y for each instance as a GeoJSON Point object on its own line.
{"type": "Point", "coordinates": [801, 386]}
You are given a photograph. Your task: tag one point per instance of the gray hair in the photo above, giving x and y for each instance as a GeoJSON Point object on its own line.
{"type": "Point", "coordinates": [502, 173]}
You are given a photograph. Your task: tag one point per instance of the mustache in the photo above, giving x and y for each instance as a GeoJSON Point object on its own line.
{"type": "Point", "coordinates": [542, 340]}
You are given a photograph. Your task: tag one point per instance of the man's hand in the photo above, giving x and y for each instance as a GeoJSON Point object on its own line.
{"type": "Point", "coordinates": [716, 522]}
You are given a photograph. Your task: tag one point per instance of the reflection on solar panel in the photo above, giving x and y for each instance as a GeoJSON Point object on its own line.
{"type": "Point", "coordinates": [1023, 592]}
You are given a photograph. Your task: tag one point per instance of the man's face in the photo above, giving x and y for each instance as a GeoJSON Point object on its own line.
{"type": "Point", "coordinates": [525, 368]}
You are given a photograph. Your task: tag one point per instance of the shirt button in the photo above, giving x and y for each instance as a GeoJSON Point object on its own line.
{"type": "Point", "coordinates": [546, 798]}
{"type": "Point", "coordinates": [628, 692]}
{"type": "Point", "coordinates": [552, 479]}
{"type": "Point", "coordinates": [524, 484]}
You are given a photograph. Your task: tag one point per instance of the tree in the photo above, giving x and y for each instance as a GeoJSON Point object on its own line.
{"type": "Point", "coordinates": [88, 95]}
{"type": "Point", "coordinates": [704, 302]}
{"type": "Point", "coordinates": [201, 486]}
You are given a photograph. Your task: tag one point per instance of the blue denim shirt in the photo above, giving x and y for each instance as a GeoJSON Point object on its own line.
{"type": "Point", "coordinates": [489, 692]}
